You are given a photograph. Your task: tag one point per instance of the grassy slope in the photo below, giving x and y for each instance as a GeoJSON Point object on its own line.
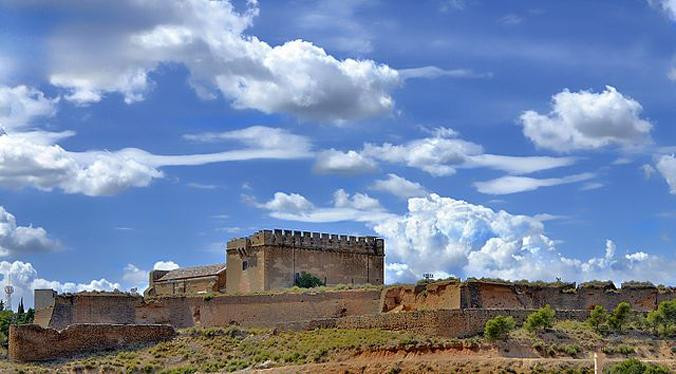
{"type": "Point", "coordinates": [230, 349]}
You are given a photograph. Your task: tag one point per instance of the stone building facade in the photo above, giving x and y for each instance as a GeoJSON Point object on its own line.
{"type": "Point", "coordinates": [273, 259]}
{"type": "Point", "coordinates": [187, 281]}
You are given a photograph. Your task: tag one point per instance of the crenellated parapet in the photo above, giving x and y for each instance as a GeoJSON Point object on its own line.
{"type": "Point", "coordinates": [310, 240]}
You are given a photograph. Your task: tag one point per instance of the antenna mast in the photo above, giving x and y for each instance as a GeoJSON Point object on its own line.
{"type": "Point", "coordinates": [9, 290]}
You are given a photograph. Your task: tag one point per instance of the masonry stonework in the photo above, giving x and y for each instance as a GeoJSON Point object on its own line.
{"type": "Point", "coordinates": [270, 260]}
{"type": "Point", "coordinates": [34, 343]}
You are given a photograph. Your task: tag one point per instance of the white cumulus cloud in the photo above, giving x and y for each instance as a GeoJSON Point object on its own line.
{"type": "Point", "coordinates": [442, 235]}
{"type": "Point", "coordinates": [667, 6]}
{"type": "Point", "coordinates": [210, 39]}
{"type": "Point", "coordinates": [21, 105]}
{"type": "Point", "coordinates": [337, 162]}
{"type": "Point", "coordinates": [588, 120]}
{"type": "Point", "coordinates": [358, 207]}
{"type": "Point", "coordinates": [399, 186]}
{"type": "Point", "coordinates": [666, 165]}
{"type": "Point", "coordinates": [15, 239]}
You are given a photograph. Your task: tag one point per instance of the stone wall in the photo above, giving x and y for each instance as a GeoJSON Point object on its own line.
{"type": "Point", "coordinates": [88, 308]}
{"type": "Point", "coordinates": [33, 343]}
{"type": "Point", "coordinates": [270, 310]}
{"type": "Point", "coordinates": [437, 295]}
{"type": "Point", "coordinates": [495, 295]}
{"type": "Point", "coordinates": [448, 323]}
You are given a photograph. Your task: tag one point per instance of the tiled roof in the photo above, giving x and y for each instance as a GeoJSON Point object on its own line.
{"type": "Point", "coordinates": [193, 272]}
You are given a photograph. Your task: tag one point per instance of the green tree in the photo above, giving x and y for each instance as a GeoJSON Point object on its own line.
{"type": "Point", "coordinates": [498, 328]}
{"type": "Point", "coordinates": [2, 305]}
{"type": "Point", "coordinates": [20, 310]}
{"type": "Point", "coordinates": [619, 316]}
{"type": "Point", "coordinates": [598, 319]}
{"type": "Point", "coordinates": [541, 319]}
{"type": "Point", "coordinates": [663, 319]}
{"type": "Point", "coordinates": [307, 280]}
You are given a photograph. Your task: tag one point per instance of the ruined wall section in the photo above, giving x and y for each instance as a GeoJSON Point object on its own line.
{"type": "Point", "coordinates": [72, 309]}
{"type": "Point", "coordinates": [437, 295]}
{"type": "Point", "coordinates": [493, 295]}
{"type": "Point", "coordinates": [34, 343]}
{"type": "Point", "coordinates": [447, 323]}
{"type": "Point", "coordinates": [180, 312]}
{"type": "Point", "coordinates": [496, 295]}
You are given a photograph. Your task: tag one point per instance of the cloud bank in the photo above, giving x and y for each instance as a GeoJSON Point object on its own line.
{"type": "Point", "coordinates": [445, 236]}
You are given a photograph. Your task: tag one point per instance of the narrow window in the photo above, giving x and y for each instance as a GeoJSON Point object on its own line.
{"type": "Point", "coordinates": [245, 265]}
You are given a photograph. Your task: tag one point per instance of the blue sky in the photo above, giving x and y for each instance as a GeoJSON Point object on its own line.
{"type": "Point", "coordinates": [508, 139]}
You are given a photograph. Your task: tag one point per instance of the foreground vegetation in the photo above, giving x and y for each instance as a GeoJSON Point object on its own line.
{"type": "Point", "coordinates": [233, 348]}
{"type": "Point", "coordinates": [622, 335]}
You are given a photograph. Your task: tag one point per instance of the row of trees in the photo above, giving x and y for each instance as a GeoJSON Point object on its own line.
{"type": "Point", "coordinates": [661, 321]}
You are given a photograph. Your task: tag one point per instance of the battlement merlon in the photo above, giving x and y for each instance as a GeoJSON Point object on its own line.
{"type": "Point", "coordinates": [310, 240]}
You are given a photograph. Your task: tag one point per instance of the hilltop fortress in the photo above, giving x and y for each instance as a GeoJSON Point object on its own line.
{"type": "Point", "coordinates": [254, 289]}
{"type": "Point", "coordinates": [274, 259]}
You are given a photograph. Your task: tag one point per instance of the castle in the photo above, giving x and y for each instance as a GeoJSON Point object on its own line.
{"type": "Point", "coordinates": [274, 259]}
{"type": "Point", "coordinates": [251, 290]}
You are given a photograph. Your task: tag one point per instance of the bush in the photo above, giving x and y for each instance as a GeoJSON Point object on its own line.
{"type": "Point", "coordinates": [541, 319]}
{"type": "Point", "coordinates": [307, 280]}
{"type": "Point", "coordinates": [622, 349]}
{"type": "Point", "coordinates": [634, 366]}
{"type": "Point", "coordinates": [499, 327]}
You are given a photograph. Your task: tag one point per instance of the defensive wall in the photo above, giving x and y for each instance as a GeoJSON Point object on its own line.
{"type": "Point", "coordinates": [447, 323]}
{"type": "Point", "coordinates": [504, 295]}
{"type": "Point", "coordinates": [34, 343]}
{"type": "Point", "coordinates": [272, 309]}
{"type": "Point", "coordinates": [181, 312]}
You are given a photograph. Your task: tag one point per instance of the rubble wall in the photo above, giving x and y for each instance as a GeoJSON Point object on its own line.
{"type": "Point", "coordinates": [34, 343]}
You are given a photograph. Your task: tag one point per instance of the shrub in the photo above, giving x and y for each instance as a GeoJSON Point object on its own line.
{"type": "Point", "coordinates": [622, 349]}
{"type": "Point", "coordinates": [541, 319]}
{"type": "Point", "coordinates": [498, 328]}
{"type": "Point", "coordinates": [618, 318]}
{"type": "Point", "coordinates": [307, 280]}
{"type": "Point", "coordinates": [634, 366]}
{"type": "Point", "coordinates": [605, 285]}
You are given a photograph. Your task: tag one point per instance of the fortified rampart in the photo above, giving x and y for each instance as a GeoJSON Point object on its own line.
{"type": "Point", "coordinates": [273, 259]}
{"type": "Point", "coordinates": [181, 312]}
{"type": "Point", "coordinates": [504, 295]}
{"type": "Point", "coordinates": [448, 323]}
{"type": "Point", "coordinates": [34, 343]}
{"type": "Point", "coordinates": [273, 309]}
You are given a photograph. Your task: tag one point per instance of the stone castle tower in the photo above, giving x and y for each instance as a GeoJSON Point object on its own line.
{"type": "Point", "coordinates": [273, 259]}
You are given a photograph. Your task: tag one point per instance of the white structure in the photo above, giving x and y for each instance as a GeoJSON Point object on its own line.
{"type": "Point", "coordinates": [9, 290]}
